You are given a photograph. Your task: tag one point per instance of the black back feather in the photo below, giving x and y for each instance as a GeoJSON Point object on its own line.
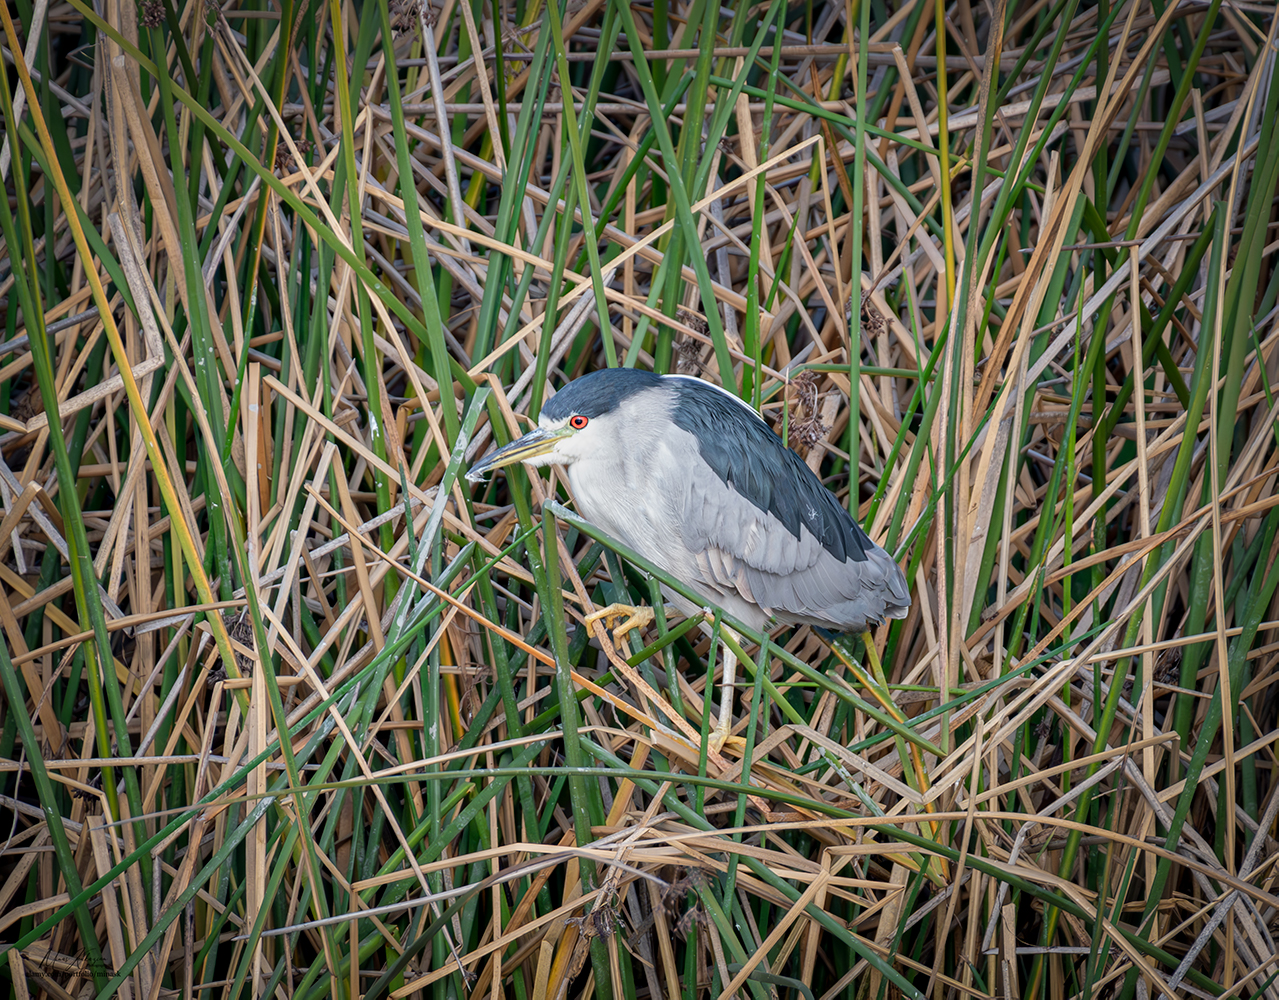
{"type": "Point", "coordinates": [747, 455]}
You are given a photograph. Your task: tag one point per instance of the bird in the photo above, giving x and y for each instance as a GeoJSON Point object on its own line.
{"type": "Point", "coordinates": [694, 480]}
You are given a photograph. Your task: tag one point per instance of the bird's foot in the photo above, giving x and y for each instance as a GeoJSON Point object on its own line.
{"type": "Point", "coordinates": [634, 618]}
{"type": "Point", "coordinates": [721, 736]}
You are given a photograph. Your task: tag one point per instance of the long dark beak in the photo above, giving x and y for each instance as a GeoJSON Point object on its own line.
{"type": "Point", "coordinates": [532, 445]}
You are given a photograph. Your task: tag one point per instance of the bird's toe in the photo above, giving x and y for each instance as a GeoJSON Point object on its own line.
{"type": "Point", "coordinates": [631, 617]}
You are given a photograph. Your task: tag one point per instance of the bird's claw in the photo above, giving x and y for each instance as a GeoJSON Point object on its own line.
{"type": "Point", "coordinates": [720, 738]}
{"type": "Point", "coordinates": [634, 618]}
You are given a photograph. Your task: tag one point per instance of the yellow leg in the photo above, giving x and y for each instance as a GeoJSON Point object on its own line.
{"type": "Point", "coordinates": [724, 727]}
{"type": "Point", "coordinates": [634, 617]}
{"type": "Point", "coordinates": [872, 654]}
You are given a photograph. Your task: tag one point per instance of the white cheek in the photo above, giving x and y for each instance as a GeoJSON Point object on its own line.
{"type": "Point", "coordinates": [566, 452]}
{"type": "Point", "coordinates": [574, 449]}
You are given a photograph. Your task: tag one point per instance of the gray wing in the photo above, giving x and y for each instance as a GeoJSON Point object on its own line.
{"type": "Point", "coordinates": [747, 554]}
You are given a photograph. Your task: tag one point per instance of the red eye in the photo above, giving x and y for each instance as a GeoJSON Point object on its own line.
{"type": "Point", "coordinates": [577, 421]}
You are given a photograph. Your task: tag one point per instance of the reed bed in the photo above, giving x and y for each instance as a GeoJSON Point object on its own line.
{"type": "Point", "coordinates": [291, 708]}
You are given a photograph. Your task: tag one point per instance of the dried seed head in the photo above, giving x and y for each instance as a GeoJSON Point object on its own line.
{"type": "Point", "coordinates": [404, 15]}
{"type": "Point", "coordinates": [285, 161]}
{"type": "Point", "coordinates": [806, 427]}
{"type": "Point", "coordinates": [693, 321]}
{"type": "Point", "coordinates": [151, 13]}
{"type": "Point", "coordinates": [873, 321]}
{"type": "Point", "coordinates": [1168, 666]}
{"type": "Point", "coordinates": [240, 629]}
{"type": "Point", "coordinates": [687, 357]}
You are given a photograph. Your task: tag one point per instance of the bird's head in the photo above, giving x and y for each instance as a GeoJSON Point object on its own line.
{"type": "Point", "coordinates": [579, 421]}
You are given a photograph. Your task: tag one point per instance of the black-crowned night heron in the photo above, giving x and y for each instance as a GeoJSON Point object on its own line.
{"type": "Point", "coordinates": [692, 479]}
